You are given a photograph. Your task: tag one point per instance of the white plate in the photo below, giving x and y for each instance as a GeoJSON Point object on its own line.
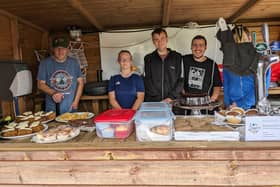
{"type": "Point", "coordinates": [23, 136]}
{"type": "Point", "coordinates": [77, 132]}
{"type": "Point", "coordinates": [90, 115]}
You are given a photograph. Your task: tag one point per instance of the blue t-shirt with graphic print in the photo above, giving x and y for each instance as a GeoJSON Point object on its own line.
{"type": "Point", "coordinates": [62, 77]}
{"type": "Point", "coordinates": [126, 88]}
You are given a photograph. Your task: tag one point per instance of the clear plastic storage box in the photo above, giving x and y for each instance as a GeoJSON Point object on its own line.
{"type": "Point", "coordinates": [155, 106]}
{"type": "Point", "coordinates": [154, 125]}
{"type": "Point", "coordinates": [115, 123]}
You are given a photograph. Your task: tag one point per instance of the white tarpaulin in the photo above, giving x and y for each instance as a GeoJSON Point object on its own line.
{"type": "Point", "coordinates": [140, 44]}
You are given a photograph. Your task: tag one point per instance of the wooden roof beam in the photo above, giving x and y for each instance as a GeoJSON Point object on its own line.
{"type": "Point", "coordinates": [166, 12]}
{"type": "Point", "coordinates": [260, 21]}
{"type": "Point", "coordinates": [19, 19]}
{"type": "Point", "coordinates": [234, 17]}
{"type": "Point", "coordinates": [77, 5]}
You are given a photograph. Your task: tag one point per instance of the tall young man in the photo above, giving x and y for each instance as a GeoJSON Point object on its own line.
{"type": "Point", "coordinates": [162, 70]}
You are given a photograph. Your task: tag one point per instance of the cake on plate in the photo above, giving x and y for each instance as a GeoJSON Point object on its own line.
{"type": "Point", "coordinates": [188, 99]}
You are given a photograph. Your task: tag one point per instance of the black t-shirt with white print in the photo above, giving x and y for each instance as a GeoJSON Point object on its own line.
{"type": "Point", "coordinates": [199, 77]}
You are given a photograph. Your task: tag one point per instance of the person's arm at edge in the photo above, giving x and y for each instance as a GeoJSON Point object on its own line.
{"type": "Point", "coordinates": [79, 93]}
{"type": "Point", "coordinates": [216, 93]}
{"type": "Point", "coordinates": [41, 84]}
{"type": "Point", "coordinates": [217, 84]}
{"type": "Point", "coordinates": [113, 101]}
{"type": "Point", "coordinates": [56, 96]}
{"type": "Point", "coordinates": [139, 100]}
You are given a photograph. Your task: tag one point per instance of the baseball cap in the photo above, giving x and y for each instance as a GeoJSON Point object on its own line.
{"type": "Point", "coordinates": [60, 42]}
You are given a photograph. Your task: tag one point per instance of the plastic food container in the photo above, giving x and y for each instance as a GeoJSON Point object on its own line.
{"type": "Point", "coordinates": [114, 123]}
{"type": "Point", "coordinates": [155, 106]}
{"type": "Point", "coordinates": [154, 126]}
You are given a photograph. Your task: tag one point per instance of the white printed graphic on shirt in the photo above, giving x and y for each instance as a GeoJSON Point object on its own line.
{"type": "Point", "coordinates": [196, 77]}
{"type": "Point", "coordinates": [61, 80]}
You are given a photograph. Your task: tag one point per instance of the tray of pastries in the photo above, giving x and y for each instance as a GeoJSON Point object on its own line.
{"type": "Point", "coordinates": [22, 129]}
{"type": "Point", "coordinates": [83, 124]}
{"type": "Point", "coordinates": [60, 133]}
{"type": "Point", "coordinates": [202, 128]}
{"type": "Point", "coordinates": [42, 116]}
{"type": "Point", "coordinates": [73, 116]}
{"type": "Point", "coordinates": [234, 117]}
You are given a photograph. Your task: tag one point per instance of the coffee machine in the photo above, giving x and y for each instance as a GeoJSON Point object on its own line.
{"type": "Point", "coordinates": [265, 61]}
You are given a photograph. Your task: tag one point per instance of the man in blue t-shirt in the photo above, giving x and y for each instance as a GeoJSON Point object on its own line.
{"type": "Point", "coordinates": [60, 78]}
{"type": "Point", "coordinates": [126, 90]}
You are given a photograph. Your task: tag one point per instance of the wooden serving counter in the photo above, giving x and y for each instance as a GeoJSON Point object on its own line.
{"type": "Point", "coordinates": [91, 161]}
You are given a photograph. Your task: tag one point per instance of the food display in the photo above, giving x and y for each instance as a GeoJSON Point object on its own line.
{"type": "Point", "coordinates": [234, 117]}
{"type": "Point", "coordinates": [188, 99]}
{"type": "Point", "coordinates": [22, 129]}
{"type": "Point", "coordinates": [115, 123]}
{"type": "Point", "coordinates": [57, 134]}
{"type": "Point", "coordinates": [42, 116]}
{"type": "Point", "coordinates": [251, 112]}
{"type": "Point", "coordinates": [202, 128]}
{"type": "Point", "coordinates": [74, 116]}
{"type": "Point", "coordinates": [26, 124]}
{"type": "Point", "coordinates": [189, 123]}
{"type": "Point", "coordinates": [154, 125]}
{"type": "Point", "coordinates": [83, 124]}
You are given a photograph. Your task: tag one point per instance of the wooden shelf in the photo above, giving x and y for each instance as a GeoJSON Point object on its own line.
{"type": "Point", "coordinates": [274, 91]}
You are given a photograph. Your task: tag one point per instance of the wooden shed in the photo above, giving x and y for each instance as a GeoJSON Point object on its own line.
{"type": "Point", "coordinates": [30, 25]}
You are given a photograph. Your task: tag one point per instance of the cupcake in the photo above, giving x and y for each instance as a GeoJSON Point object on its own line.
{"type": "Point", "coordinates": [251, 112]}
{"type": "Point", "coordinates": [161, 129]}
{"type": "Point", "coordinates": [233, 117]}
{"type": "Point", "coordinates": [29, 118]}
{"type": "Point", "coordinates": [50, 115]}
{"type": "Point", "coordinates": [36, 126]}
{"type": "Point", "coordinates": [106, 132]}
{"type": "Point", "coordinates": [238, 109]}
{"type": "Point", "coordinates": [122, 131]}
{"type": "Point", "coordinates": [28, 113]}
{"type": "Point", "coordinates": [19, 118]}
{"type": "Point", "coordinates": [39, 113]}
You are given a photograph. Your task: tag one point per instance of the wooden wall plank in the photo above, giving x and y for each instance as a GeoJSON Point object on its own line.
{"type": "Point", "coordinates": [6, 53]}
{"type": "Point", "coordinates": [92, 52]}
{"type": "Point", "coordinates": [15, 39]}
{"type": "Point", "coordinates": [274, 32]}
{"type": "Point", "coordinates": [219, 173]}
{"type": "Point", "coordinates": [18, 42]}
{"type": "Point", "coordinates": [6, 48]}
{"type": "Point", "coordinates": [99, 155]}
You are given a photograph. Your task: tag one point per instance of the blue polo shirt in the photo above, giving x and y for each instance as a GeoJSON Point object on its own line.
{"type": "Point", "coordinates": [126, 89]}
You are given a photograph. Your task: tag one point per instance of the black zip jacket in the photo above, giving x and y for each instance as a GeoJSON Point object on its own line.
{"type": "Point", "coordinates": [162, 78]}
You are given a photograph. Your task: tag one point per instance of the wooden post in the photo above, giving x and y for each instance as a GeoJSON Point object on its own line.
{"type": "Point", "coordinates": [15, 39]}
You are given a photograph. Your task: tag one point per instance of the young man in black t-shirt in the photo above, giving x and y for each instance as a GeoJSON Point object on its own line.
{"type": "Point", "coordinates": [201, 74]}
